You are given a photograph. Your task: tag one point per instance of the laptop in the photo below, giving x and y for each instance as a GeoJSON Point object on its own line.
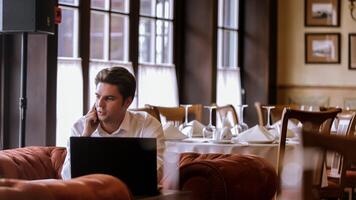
{"type": "Point", "coordinates": [132, 160]}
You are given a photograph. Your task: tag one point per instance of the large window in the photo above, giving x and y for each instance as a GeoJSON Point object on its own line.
{"type": "Point", "coordinates": [109, 38]}
{"type": "Point", "coordinates": [69, 75]}
{"type": "Point", "coordinates": [228, 73]}
{"type": "Point", "coordinates": [156, 72]}
{"type": "Point", "coordinates": [96, 34]}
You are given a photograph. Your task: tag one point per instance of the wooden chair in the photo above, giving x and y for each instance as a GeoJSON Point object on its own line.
{"type": "Point", "coordinates": [176, 115]}
{"type": "Point", "coordinates": [276, 113]}
{"type": "Point", "coordinates": [227, 112]}
{"type": "Point", "coordinates": [343, 145]}
{"type": "Point", "coordinates": [318, 122]}
{"type": "Point", "coordinates": [150, 110]}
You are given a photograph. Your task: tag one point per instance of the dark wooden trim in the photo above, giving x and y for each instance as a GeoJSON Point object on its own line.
{"type": "Point", "coordinates": [133, 29]}
{"type": "Point", "coordinates": [272, 57]}
{"type": "Point", "coordinates": [178, 44]}
{"type": "Point", "coordinates": [2, 94]}
{"type": "Point", "coordinates": [240, 61]}
{"type": "Point", "coordinates": [324, 87]}
{"type": "Point", "coordinates": [214, 52]}
{"type": "Point", "coordinates": [84, 49]}
{"type": "Point", "coordinates": [51, 107]}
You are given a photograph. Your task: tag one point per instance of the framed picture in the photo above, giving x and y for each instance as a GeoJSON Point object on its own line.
{"type": "Point", "coordinates": [322, 13]}
{"type": "Point", "coordinates": [352, 51]}
{"type": "Point", "coordinates": [322, 48]}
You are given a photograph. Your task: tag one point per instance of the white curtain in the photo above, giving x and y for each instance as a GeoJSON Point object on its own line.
{"type": "Point", "coordinates": [95, 67]}
{"type": "Point", "coordinates": [69, 97]}
{"type": "Point", "coordinates": [228, 87]}
{"type": "Point", "coordinates": [157, 85]}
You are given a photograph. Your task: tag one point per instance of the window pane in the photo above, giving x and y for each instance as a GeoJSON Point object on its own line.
{"type": "Point", "coordinates": [68, 109]}
{"type": "Point", "coordinates": [147, 7]}
{"type": "Point", "coordinates": [163, 41]}
{"type": "Point", "coordinates": [146, 40]}
{"type": "Point", "coordinates": [97, 35]}
{"type": "Point", "coordinates": [230, 13]}
{"type": "Point", "coordinates": [164, 9]}
{"type": "Point", "coordinates": [120, 5]}
{"type": "Point", "coordinates": [101, 4]}
{"type": "Point", "coordinates": [227, 47]}
{"type": "Point", "coordinates": [70, 2]}
{"type": "Point", "coordinates": [66, 33]}
{"type": "Point", "coordinates": [119, 37]}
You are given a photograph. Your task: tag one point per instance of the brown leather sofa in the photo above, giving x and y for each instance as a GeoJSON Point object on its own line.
{"type": "Point", "coordinates": [208, 176]}
{"type": "Point", "coordinates": [33, 173]}
{"type": "Point", "coordinates": [226, 176]}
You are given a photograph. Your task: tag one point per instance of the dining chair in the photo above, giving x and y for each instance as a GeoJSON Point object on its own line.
{"type": "Point", "coordinates": [345, 146]}
{"type": "Point", "coordinates": [228, 113]}
{"type": "Point", "coordinates": [176, 115]}
{"type": "Point", "coordinates": [317, 122]}
{"type": "Point", "coordinates": [150, 110]}
{"type": "Point", "coordinates": [276, 112]}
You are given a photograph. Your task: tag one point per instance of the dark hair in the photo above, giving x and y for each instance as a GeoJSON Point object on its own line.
{"type": "Point", "coordinates": [119, 76]}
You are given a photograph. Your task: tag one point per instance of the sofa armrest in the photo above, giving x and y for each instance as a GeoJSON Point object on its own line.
{"type": "Point", "coordinates": [90, 187]}
{"type": "Point", "coordinates": [226, 176]}
{"type": "Point", "coordinates": [32, 162]}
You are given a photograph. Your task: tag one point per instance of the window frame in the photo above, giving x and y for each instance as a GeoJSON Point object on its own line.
{"type": "Point", "coordinates": [108, 12]}
{"type": "Point", "coordinates": [171, 20]}
{"type": "Point", "coordinates": [75, 30]}
{"type": "Point", "coordinates": [221, 27]}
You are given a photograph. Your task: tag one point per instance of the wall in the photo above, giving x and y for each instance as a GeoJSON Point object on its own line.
{"type": "Point", "coordinates": [317, 83]}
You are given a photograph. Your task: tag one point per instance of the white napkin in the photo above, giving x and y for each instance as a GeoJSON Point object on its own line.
{"type": "Point", "coordinates": [194, 129]}
{"type": "Point", "coordinates": [225, 133]}
{"type": "Point", "coordinates": [172, 133]}
{"type": "Point", "coordinates": [293, 129]}
{"type": "Point", "coordinates": [257, 134]}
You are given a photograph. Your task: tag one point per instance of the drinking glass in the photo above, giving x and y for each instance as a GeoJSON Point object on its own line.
{"type": "Point", "coordinates": [185, 123]}
{"type": "Point", "coordinates": [241, 123]}
{"type": "Point", "coordinates": [210, 129]}
{"type": "Point", "coordinates": [268, 108]}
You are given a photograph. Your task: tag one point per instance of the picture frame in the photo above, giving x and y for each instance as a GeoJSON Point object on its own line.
{"type": "Point", "coordinates": [352, 51]}
{"type": "Point", "coordinates": [322, 13]}
{"type": "Point", "coordinates": [322, 48]}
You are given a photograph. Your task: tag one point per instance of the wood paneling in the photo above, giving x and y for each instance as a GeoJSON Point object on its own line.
{"type": "Point", "coordinates": [259, 57]}
{"type": "Point", "coordinates": [41, 90]}
{"type": "Point", "coordinates": [197, 74]}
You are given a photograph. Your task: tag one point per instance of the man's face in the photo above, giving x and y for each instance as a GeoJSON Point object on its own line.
{"type": "Point", "coordinates": [110, 105]}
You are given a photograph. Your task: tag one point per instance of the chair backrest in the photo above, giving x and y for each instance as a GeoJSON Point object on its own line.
{"type": "Point", "coordinates": [227, 112]}
{"type": "Point", "coordinates": [343, 145]}
{"type": "Point", "coordinates": [276, 112]}
{"type": "Point", "coordinates": [150, 110]}
{"type": "Point", "coordinates": [345, 122]}
{"type": "Point", "coordinates": [176, 115]}
{"type": "Point", "coordinates": [318, 122]}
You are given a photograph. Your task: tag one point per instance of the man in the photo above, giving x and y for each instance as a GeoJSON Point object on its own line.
{"type": "Point", "coordinates": [109, 117]}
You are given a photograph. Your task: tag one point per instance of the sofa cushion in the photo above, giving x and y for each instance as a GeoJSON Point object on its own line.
{"type": "Point", "coordinates": [90, 187]}
{"type": "Point", "coordinates": [227, 176]}
{"type": "Point", "coordinates": [32, 162]}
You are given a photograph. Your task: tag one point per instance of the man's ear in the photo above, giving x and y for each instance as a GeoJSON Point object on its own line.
{"type": "Point", "coordinates": [127, 102]}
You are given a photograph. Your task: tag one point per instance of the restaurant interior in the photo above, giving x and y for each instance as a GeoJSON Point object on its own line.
{"type": "Point", "coordinates": [256, 98]}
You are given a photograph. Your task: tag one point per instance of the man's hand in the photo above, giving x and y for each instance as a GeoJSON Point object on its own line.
{"type": "Point", "coordinates": [91, 122]}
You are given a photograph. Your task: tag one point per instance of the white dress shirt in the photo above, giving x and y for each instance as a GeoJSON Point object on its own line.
{"type": "Point", "coordinates": [134, 124]}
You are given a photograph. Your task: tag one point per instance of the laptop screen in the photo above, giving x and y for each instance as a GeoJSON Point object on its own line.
{"type": "Point", "coordinates": [132, 160]}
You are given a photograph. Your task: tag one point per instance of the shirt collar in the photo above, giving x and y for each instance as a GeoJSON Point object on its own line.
{"type": "Point", "coordinates": [124, 127]}
{"type": "Point", "coordinates": [125, 124]}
